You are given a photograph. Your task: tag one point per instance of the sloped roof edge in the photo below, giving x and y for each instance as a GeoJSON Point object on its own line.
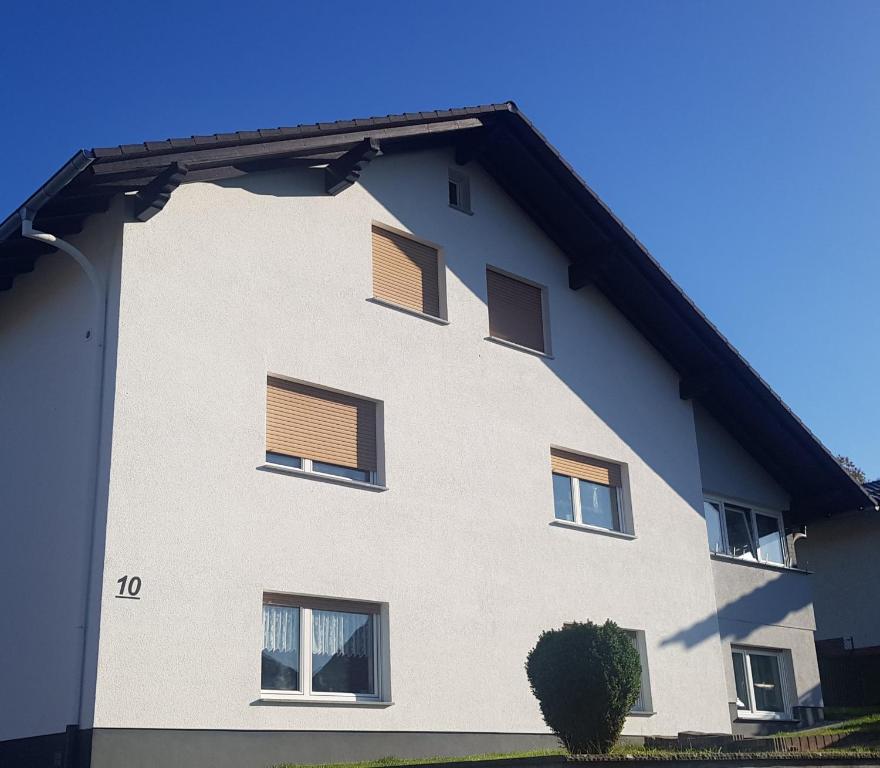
{"type": "Point", "coordinates": [535, 174]}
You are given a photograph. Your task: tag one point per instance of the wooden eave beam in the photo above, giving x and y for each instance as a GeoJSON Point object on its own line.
{"type": "Point", "coordinates": [346, 170]}
{"type": "Point", "coordinates": [153, 198]}
{"type": "Point", "coordinates": [206, 156]}
{"type": "Point", "coordinates": [590, 268]}
{"type": "Point", "coordinates": [472, 146]}
{"type": "Point", "coordinates": [698, 384]}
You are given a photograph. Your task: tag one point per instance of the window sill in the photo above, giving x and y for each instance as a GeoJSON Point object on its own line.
{"type": "Point", "coordinates": [641, 713]}
{"type": "Point", "coordinates": [320, 477]}
{"type": "Point", "coordinates": [592, 529]}
{"type": "Point", "coordinates": [461, 210]}
{"type": "Point", "coordinates": [755, 717]}
{"type": "Point", "coordinates": [408, 311]}
{"type": "Point", "coordinates": [269, 699]}
{"type": "Point", "coordinates": [759, 565]}
{"type": "Point", "coordinates": [520, 347]}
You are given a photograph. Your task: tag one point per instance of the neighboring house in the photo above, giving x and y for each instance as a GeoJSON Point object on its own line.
{"type": "Point", "coordinates": [352, 434]}
{"type": "Point", "coordinates": [842, 552]}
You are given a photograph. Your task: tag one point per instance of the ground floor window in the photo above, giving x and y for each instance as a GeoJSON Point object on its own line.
{"type": "Point", "coordinates": [760, 683]}
{"type": "Point", "coordinates": [643, 703]}
{"type": "Point", "coordinates": [320, 648]}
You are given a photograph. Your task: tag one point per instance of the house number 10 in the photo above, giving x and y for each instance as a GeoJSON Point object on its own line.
{"type": "Point", "coordinates": [129, 587]}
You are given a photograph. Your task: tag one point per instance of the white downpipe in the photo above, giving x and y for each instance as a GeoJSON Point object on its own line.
{"type": "Point", "coordinates": [95, 420]}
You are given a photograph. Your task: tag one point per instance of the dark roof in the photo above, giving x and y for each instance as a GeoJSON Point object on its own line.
{"type": "Point", "coordinates": [498, 136]}
{"type": "Point", "coordinates": [873, 489]}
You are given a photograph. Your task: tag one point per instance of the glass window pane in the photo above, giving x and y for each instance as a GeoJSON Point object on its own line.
{"type": "Point", "coordinates": [342, 652]}
{"type": "Point", "coordinates": [280, 665]}
{"type": "Point", "coordinates": [280, 458]}
{"type": "Point", "coordinates": [742, 683]}
{"type": "Point", "coordinates": [639, 706]}
{"type": "Point", "coordinates": [712, 513]}
{"type": "Point", "coordinates": [362, 475]}
{"type": "Point", "coordinates": [739, 534]}
{"type": "Point", "coordinates": [562, 498]}
{"type": "Point", "coordinates": [453, 193]}
{"type": "Point", "coordinates": [767, 683]}
{"type": "Point", "coordinates": [770, 543]}
{"type": "Point", "coordinates": [599, 505]}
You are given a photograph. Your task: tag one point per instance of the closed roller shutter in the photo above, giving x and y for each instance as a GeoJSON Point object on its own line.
{"type": "Point", "coordinates": [592, 470]}
{"type": "Point", "coordinates": [312, 423]}
{"type": "Point", "coordinates": [515, 311]}
{"type": "Point", "coordinates": [405, 272]}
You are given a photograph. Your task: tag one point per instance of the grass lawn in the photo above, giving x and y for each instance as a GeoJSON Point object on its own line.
{"type": "Point", "coordinates": [863, 722]}
{"type": "Point", "coordinates": [390, 762]}
{"type": "Point", "coordinates": [620, 752]}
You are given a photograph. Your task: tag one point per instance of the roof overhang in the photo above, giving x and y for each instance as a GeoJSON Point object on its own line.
{"type": "Point", "coordinates": [602, 251]}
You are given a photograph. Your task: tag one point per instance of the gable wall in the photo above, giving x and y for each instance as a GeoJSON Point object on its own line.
{"type": "Point", "coordinates": [268, 274]}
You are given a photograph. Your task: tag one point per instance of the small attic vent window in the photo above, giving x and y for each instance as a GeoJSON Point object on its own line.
{"type": "Point", "coordinates": [459, 191]}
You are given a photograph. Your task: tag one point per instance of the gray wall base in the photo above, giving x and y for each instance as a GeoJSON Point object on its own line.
{"type": "Point", "coordinates": [148, 748]}
{"type": "Point", "coordinates": [69, 749]}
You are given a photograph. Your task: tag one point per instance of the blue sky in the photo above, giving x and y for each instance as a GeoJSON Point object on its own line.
{"type": "Point", "coordinates": [740, 141]}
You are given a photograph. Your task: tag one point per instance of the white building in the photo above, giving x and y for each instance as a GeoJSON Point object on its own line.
{"type": "Point", "coordinates": [313, 485]}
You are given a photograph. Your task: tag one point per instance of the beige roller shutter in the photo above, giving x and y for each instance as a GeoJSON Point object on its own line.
{"type": "Point", "coordinates": [594, 470]}
{"type": "Point", "coordinates": [515, 311]}
{"type": "Point", "coordinates": [405, 272]}
{"type": "Point", "coordinates": [323, 426]}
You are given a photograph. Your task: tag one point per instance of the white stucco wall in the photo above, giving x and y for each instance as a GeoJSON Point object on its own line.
{"type": "Point", "coordinates": [769, 608]}
{"type": "Point", "coordinates": [728, 470]}
{"type": "Point", "coordinates": [842, 552]}
{"type": "Point", "coordinates": [268, 274]}
{"type": "Point", "coordinates": [757, 606]}
{"type": "Point", "coordinates": [47, 381]}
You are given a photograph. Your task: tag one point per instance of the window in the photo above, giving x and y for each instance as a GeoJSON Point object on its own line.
{"type": "Point", "coordinates": [459, 191]}
{"type": "Point", "coordinates": [314, 430]}
{"type": "Point", "coordinates": [643, 703]}
{"type": "Point", "coordinates": [745, 533]}
{"type": "Point", "coordinates": [320, 648]}
{"type": "Point", "coordinates": [760, 683]}
{"type": "Point", "coordinates": [406, 273]}
{"type": "Point", "coordinates": [516, 311]}
{"type": "Point", "coordinates": [586, 491]}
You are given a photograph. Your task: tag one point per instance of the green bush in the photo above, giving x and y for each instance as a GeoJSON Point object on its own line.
{"type": "Point", "coordinates": [586, 678]}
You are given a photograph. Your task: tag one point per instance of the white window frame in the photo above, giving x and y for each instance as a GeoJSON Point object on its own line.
{"type": "Point", "coordinates": [622, 516]}
{"type": "Point", "coordinates": [307, 466]}
{"type": "Point", "coordinates": [462, 183]}
{"type": "Point", "coordinates": [753, 530]}
{"type": "Point", "coordinates": [784, 685]}
{"type": "Point", "coordinates": [306, 605]}
{"type": "Point", "coordinates": [646, 707]}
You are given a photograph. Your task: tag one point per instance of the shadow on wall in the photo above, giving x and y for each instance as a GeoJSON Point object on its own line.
{"type": "Point", "coordinates": [768, 604]}
{"type": "Point", "coordinates": [621, 384]}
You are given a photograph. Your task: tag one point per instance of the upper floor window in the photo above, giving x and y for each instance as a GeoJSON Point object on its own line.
{"type": "Point", "coordinates": [459, 191]}
{"type": "Point", "coordinates": [587, 491]}
{"type": "Point", "coordinates": [516, 310]}
{"type": "Point", "coordinates": [407, 273]}
{"type": "Point", "coordinates": [320, 648]}
{"type": "Point", "coordinates": [745, 533]}
{"type": "Point", "coordinates": [315, 430]}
